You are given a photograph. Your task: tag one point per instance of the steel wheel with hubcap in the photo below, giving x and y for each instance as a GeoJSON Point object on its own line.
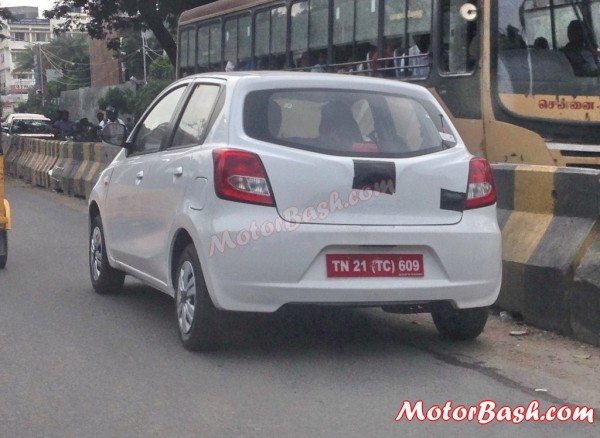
{"type": "Point", "coordinates": [186, 297]}
{"type": "Point", "coordinates": [96, 253]}
{"type": "Point", "coordinates": [197, 318]}
{"type": "Point", "coordinates": [105, 279]}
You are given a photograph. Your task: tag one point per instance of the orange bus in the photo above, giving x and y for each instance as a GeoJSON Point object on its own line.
{"type": "Point", "coordinates": [521, 78]}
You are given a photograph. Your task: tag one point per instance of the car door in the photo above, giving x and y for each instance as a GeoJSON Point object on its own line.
{"type": "Point", "coordinates": [174, 173]}
{"type": "Point", "coordinates": [130, 219]}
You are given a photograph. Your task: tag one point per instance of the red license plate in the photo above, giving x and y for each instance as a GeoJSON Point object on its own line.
{"type": "Point", "coordinates": [375, 265]}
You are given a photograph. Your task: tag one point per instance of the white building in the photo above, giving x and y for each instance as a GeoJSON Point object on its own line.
{"type": "Point", "coordinates": [23, 30]}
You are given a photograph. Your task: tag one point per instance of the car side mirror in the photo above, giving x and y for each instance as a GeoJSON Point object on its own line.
{"type": "Point", "coordinates": [114, 134]}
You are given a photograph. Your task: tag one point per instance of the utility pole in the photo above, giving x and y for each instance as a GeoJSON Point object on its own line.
{"type": "Point", "coordinates": [144, 57]}
{"type": "Point", "coordinates": [42, 73]}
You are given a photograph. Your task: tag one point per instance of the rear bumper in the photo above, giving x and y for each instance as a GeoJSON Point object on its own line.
{"type": "Point", "coordinates": [462, 263]}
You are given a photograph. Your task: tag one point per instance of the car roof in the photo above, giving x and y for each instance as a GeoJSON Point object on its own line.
{"type": "Point", "coordinates": [290, 79]}
{"type": "Point", "coordinates": [28, 116]}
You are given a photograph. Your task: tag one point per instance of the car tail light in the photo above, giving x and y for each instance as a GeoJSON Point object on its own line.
{"type": "Point", "coordinates": [481, 190]}
{"type": "Point", "coordinates": [240, 176]}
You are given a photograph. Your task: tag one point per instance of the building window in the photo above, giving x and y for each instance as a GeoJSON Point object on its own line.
{"type": "Point", "coordinates": [20, 36]}
{"type": "Point", "coordinates": [42, 37]}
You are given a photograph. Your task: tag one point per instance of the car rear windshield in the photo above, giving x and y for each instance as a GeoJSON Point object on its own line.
{"type": "Point", "coordinates": [31, 127]}
{"type": "Point", "coordinates": [347, 122]}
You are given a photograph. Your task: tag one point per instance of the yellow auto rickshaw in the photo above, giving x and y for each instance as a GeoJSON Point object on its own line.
{"type": "Point", "coordinates": [4, 215]}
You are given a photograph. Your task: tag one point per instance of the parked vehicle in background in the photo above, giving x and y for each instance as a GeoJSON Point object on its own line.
{"type": "Point", "coordinates": [249, 192]}
{"type": "Point", "coordinates": [28, 125]}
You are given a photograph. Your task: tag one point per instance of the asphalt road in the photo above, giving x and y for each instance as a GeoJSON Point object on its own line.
{"type": "Point", "coordinates": [73, 363]}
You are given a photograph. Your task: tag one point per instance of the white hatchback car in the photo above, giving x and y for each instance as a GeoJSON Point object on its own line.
{"type": "Point", "coordinates": [248, 192]}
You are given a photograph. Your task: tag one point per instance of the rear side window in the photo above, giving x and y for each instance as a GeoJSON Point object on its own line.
{"type": "Point", "coordinates": [344, 122]}
{"type": "Point", "coordinates": [191, 129]}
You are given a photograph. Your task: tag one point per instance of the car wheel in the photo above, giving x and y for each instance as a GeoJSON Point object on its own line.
{"type": "Point", "coordinates": [3, 248]}
{"type": "Point", "coordinates": [105, 279]}
{"type": "Point", "coordinates": [460, 325]}
{"type": "Point", "coordinates": [197, 317]}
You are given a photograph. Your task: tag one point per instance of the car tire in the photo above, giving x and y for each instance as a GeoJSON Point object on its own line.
{"type": "Point", "coordinates": [460, 325]}
{"type": "Point", "coordinates": [105, 279]}
{"type": "Point", "coordinates": [3, 248]}
{"type": "Point", "coordinates": [198, 320]}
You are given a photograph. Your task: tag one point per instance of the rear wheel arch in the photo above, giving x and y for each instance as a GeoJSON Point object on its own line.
{"type": "Point", "coordinates": [94, 210]}
{"type": "Point", "coordinates": [181, 240]}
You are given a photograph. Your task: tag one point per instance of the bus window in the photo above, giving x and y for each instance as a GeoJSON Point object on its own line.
{"type": "Point", "coordinates": [278, 37]}
{"type": "Point", "coordinates": [262, 33]}
{"type": "Point", "coordinates": [299, 35]}
{"type": "Point", "coordinates": [418, 29]}
{"type": "Point", "coordinates": [318, 32]}
{"type": "Point", "coordinates": [230, 41]}
{"type": "Point", "coordinates": [394, 32]}
{"type": "Point", "coordinates": [548, 58]}
{"type": "Point", "coordinates": [460, 40]}
{"type": "Point", "coordinates": [214, 52]}
{"type": "Point", "coordinates": [343, 31]}
{"type": "Point", "coordinates": [367, 20]}
{"type": "Point", "coordinates": [202, 45]}
{"type": "Point", "coordinates": [244, 43]}
{"type": "Point", "coordinates": [192, 51]}
{"type": "Point", "coordinates": [183, 51]}
{"type": "Point", "coordinates": [407, 38]}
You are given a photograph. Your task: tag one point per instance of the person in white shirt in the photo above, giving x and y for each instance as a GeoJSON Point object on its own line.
{"type": "Point", "coordinates": [418, 66]}
{"type": "Point", "coordinates": [113, 116]}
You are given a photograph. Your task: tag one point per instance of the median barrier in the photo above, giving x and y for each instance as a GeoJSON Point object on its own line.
{"type": "Point", "coordinates": [45, 163]}
{"type": "Point", "coordinates": [12, 152]}
{"type": "Point", "coordinates": [37, 155]}
{"type": "Point", "coordinates": [64, 162]}
{"type": "Point", "coordinates": [75, 166]}
{"type": "Point", "coordinates": [5, 143]}
{"type": "Point", "coordinates": [27, 152]}
{"type": "Point", "coordinates": [551, 272]}
{"type": "Point", "coordinates": [82, 165]}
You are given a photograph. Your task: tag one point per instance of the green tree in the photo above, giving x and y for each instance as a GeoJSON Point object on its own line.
{"type": "Point", "coordinates": [120, 99]}
{"type": "Point", "coordinates": [130, 51]}
{"type": "Point", "coordinates": [118, 15]}
{"type": "Point", "coordinates": [145, 95]}
{"type": "Point", "coordinates": [34, 105]}
{"type": "Point", "coordinates": [70, 54]}
{"type": "Point", "coordinates": [67, 54]}
{"type": "Point", "coordinates": [161, 69]}
{"type": "Point", "coordinates": [4, 15]}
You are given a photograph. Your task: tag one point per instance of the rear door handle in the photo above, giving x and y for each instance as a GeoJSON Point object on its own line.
{"type": "Point", "coordinates": [140, 174]}
{"type": "Point", "coordinates": [178, 171]}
